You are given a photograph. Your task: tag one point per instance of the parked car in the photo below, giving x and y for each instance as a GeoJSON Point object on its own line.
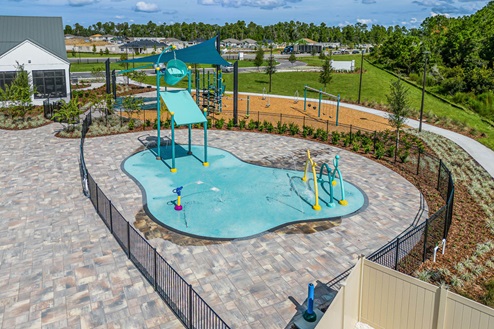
{"type": "Point", "coordinates": [226, 69]}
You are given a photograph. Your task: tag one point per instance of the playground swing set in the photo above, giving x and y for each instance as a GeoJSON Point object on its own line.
{"type": "Point", "coordinates": [326, 105]}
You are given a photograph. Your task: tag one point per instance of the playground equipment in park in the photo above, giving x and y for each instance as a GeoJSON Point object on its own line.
{"type": "Point", "coordinates": [178, 191]}
{"type": "Point", "coordinates": [332, 180]}
{"type": "Point", "coordinates": [210, 94]}
{"type": "Point", "coordinates": [180, 104]}
{"type": "Point", "coordinates": [321, 93]}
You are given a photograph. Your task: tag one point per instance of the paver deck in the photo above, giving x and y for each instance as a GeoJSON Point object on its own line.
{"type": "Point", "coordinates": [59, 265]}
{"type": "Point", "coordinates": [253, 283]}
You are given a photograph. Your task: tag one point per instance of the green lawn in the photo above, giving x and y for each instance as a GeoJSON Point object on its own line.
{"type": "Point", "coordinates": [375, 87]}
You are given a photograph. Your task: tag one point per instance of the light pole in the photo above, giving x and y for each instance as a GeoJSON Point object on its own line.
{"type": "Point", "coordinates": [361, 71]}
{"type": "Point", "coordinates": [426, 54]}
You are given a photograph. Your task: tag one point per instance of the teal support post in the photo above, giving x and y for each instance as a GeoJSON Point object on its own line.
{"type": "Point", "coordinates": [158, 109]}
{"type": "Point", "coordinates": [205, 124]}
{"type": "Point", "coordinates": [158, 103]}
{"type": "Point", "coordinates": [248, 105]}
{"type": "Point", "coordinates": [337, 109]}
{"type": "Point", "coordinates": [219, 92]}
{"type": "Point", "coordinates": [173, 169]}
{"type": "Point", "coordinates": [305, 98]}
{"type": "Point", "coordinates": [190, 140]}
{"type": "Point", "coordinates": [197, 87]}
{"type": "Point", "coordinates": [319, 107]}
{"type": "Point", "coordinates": [203, 78]}
{"type": "Point", "coordinates": [336, 170]}
{"type": "Point", "coordinates": [189, 82]}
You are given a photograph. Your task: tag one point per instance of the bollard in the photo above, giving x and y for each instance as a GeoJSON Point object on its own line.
{"type": "Point", "coordinates": [309, 314]}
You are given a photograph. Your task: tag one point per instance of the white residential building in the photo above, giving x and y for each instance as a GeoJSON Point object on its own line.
{"type": "Point", "coordinates": [38, 44]}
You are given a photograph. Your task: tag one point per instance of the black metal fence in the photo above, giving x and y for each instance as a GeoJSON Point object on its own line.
{"type": "Point", "coordinates": [182, 299]}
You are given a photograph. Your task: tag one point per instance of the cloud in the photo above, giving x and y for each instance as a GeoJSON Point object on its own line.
{"type": "Point", "coordinates": [80, 3]}
{"type": "Point", "coordinates": [170, 12]}
{"type": "Point", "coordinates": [146, 7]}
{"type": "Point", "coordinates": [413, 20]}
{"type": "Point", "coordinates": [364, 21]}
{"type": "Point", "coordinates": [119, 17]}
{"type": "Point", "coordinates": [368, 2]}
{"type": "Point", "coordinates": [262, 4]}
{"type": "Point", "coordinates": [445, 7]}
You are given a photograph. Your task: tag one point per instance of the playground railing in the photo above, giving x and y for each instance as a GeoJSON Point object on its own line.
{"type": "Point", "coordinates": [179, 295]}
{"type": "Point", "coordinates": [412, 247]}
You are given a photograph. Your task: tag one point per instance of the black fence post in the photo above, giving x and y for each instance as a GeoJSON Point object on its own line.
{"type": "Point", "coordinates": [327, 126]}
{"type": "Point", "coordinates": [128, 240]}
{"type": "Point", "coordinates": [439, 174]}
{"type": "Point", "coordinates": [375, 139]}
{"type": "Point", "coordinates": [397, 254]}
{"type": "Point", "coordinates": [281, 118]}
{"type": "Point", "coordinates": [155, 271]}
{"type": "Point", "coordinates": [97, 198]}
{"type": "Point", "coordinates": [351, 138]}
{"type": "Point", "coordinates": [111, 216]}
{"type": "Point", "coordinates": [190, 305]}
{"type": "Point", "coordinates": [426, 232]}
{"type": "Point", "coordinates": [303, 123]}
{"type": "Point", "coordinates": [418, 163]}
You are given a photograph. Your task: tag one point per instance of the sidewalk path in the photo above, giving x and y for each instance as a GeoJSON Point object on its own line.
{"type": "Point", "coordinates": [482, 154]}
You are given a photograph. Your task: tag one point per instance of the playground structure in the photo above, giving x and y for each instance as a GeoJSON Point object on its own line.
{"type": "Point", "coordinates": [184, 110]}
{"type": "Point", "coordinates": [320, 103]}
{"type": "Point", "coordinates": [332, 181]}
{"type": "Point", "coordinates": [209, 95]}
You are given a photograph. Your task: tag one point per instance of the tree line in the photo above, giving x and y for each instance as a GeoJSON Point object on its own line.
{"type": "Point", "coordinates": [279, 32]}
{"type": "Point", "coordinates": [460, 56]}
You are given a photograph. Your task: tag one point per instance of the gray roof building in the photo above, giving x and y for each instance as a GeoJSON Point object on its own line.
{"type": "Point", "coordinates": [46, 32]}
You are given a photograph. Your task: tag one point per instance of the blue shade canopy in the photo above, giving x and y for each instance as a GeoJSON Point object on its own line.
{"type": "Point", "coordinates": [185, 109]}
{"type": "Point", "coordinates": [203, 53]}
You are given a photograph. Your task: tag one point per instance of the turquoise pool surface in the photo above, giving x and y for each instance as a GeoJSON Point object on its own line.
{"type": "Point", "coordinates": [230, 199]}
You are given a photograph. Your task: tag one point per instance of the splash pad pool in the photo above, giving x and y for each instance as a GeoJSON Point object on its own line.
{"type": "Point", "coordinates": [232, 199]}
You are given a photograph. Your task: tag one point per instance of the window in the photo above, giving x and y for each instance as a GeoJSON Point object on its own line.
{"type": "Point", "coordinates": [6, 78]}
{"type": "Point", "coordinates": [49, 84]}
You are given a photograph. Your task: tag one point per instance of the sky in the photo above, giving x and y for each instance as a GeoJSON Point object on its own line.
{"type": "Point", "coordinates": [409, 13]}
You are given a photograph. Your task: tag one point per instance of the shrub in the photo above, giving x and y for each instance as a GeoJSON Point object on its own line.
{"type": "Point", "coordinates": [219, 123]}
{"type": "Point", "coordinates": [230, 124]}
{"type": "Point", "coordinates": [390, 152]}
{"type": "Point", "coordinates": [241, 124]}
{"type": "Point", "coordinates": [269, 127]}
{"type": "Point", "coordinates": [404, 156]}
{"type": "Point", "coordinates": [335, 137]}
{"type": "Point", "coordinates": [355, 146]}
{"type": "Point", "coordinates": [252, 125]}
{"type": "Point", "coordinates": [293, 128]}
{"type": "Point", "coordinates": [282, 128]}
{"type": "Point", "coordinates": [346, 141]}
{"type": "Point", "coordinates": [307, 131]}
{"type": "Point", "coordinates": [379, 152]}
{"type": "Point", "coordinates": [131, 124]}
